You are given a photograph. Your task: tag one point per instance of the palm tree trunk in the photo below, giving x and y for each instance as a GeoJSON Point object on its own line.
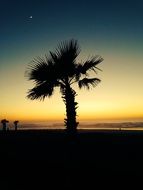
{"type": "Point", "coordinates": [71, 106]}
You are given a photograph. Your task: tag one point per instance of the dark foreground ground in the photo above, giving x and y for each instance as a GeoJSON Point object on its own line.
{"type": "Point", "coordinates": [48, 159]}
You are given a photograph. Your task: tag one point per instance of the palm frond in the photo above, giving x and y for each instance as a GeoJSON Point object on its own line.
{"type": "Point", "coordinates": [66, 53]}
{"type": "Point", "coordinates": [54, 56]}
{"type": "Point", "coordinates": [41, 70]}
{"type": "Point", "coordinates": [64, 58]}
{"type": "Point", "coordinates": [91, 65]}
{"type": "Point", "coordinates": [78, 71]}
{"type": "Point", "coordinates": [68, 49]}
{"type": "Point", "coordinates": [40, 91]}
{"type": "Point", "coordinates": [86, 82]}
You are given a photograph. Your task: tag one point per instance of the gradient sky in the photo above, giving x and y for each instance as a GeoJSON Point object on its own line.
{"type": "Point", "coordinates": [112, 29]}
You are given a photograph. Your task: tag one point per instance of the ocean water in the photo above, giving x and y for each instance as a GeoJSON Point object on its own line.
{"type": "Point", "coordinates": [83, 125]}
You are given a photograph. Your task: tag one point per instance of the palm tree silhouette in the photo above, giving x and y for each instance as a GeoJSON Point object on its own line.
{"type": "Point", "coordinates": [15, 124]}
{"type": "Point", "coordinates": [60, 69]}
{"type": "Point", "coordinates": [4, 122]}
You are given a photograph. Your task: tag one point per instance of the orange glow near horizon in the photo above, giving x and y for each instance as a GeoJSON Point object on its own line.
{"type": "Point", "coordinates": [91, 107]}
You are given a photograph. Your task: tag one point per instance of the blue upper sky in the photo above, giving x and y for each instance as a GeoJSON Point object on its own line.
{"type": "Point", "coordinates": [91, 21]}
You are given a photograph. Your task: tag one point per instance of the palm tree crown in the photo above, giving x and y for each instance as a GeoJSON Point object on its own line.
{"type": "Point", "coordinates": [4, 122]}
{"type": "Point", "coordinates": [15, 124]}
{"type": "Point", "coordinates": [60, 69]}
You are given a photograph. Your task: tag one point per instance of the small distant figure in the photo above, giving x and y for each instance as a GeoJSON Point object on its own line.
{"type": "Point", "coordinates": [4, 123]}
{"type": "Point", "coordinates": [15, 125]}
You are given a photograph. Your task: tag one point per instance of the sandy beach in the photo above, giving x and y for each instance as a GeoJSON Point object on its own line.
{"type": "Point", "coordinates": [48, 155]}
